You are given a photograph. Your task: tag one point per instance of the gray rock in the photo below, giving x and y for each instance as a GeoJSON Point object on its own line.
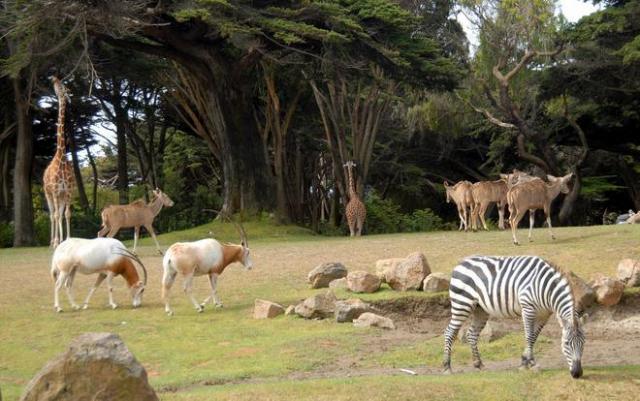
{"type": "Point", "coordinates": [629, 272]}
{"type": "Point", "coordinates": [362, 281]}
{"type": "Point", "coordinates": [369, 319]}
{"type": "Point", "coordinates": [385, 265]}
{"type": "Point", "coordinates": [582, 292]}
{"type": "Point", "coordinates": [350, 309]}
{"type": "Point", "coordinates": [608, 290]}
{"type": "Point", "coordinates": [266, 309]}
{"type": "Point", "coordinates": [436, 282]}
{"type": "Point", "coordinates": [318, 306]}
{"type": "Point", "coordinates": [409, 274]}
{"type": "Point", "coordinates": [291, 309]}
{"type": "Point", "coordinates": [340, 283]}
{"type": "Point", "coordinates": [323, 274]}
{"type": "Point", "coordinates": [97, 366]}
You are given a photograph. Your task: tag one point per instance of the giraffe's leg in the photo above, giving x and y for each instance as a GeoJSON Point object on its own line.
{"type": "Point", "coordinates": [149, 228]}
{"type": "Point", "coordinates": [99, 280]}
{"type": "Point", "coordinates": [460, 311]}
{"type": "Point", "coordinates": [168, 278]}
{"type": "Point", "coordinates": [52, 220]}
{"type": "Point", "coordinates": [55, 212]}
{"type": "Point", "coordinates": [352, 225]}
{"type": "Point", "coordinates": [67, 216]}
{"type": "Point", "coordinates": [59, 216]}
{"type": "Point", "coordinates": [478, 321]}
{"type": "Point", "coordinates": [359, 225]}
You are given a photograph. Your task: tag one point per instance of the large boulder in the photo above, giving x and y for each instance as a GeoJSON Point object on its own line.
{"type": "Point", "coordinates": [318, 306]}
{"type": "Point", "coordinates": [350, 309]}
{"type": "Point", "coordinates": [608, 290]}
{"type": "Point", "coordinates": [340, 283]}
{"type": "Point", "coordinates": [369, 319]}
{"type": "Point", "coordinates": [629, 272]}
{"type": "Point", "coordinates": [436, 282]}
{"type": "Point", "coordinates": [409, 274]}
{"type": "Point", "coordinates": [385, 265]}
{"type": "Point", "coordinates": [582, 292]}
{"type": "Point", "coordinates": [362, 281]}
{"type": "Point", "coordinates": [97, 366]}
{"type": "Point", "coordinates": [323, 274]}
{"type": "Point", "coordinates": [266, 309]}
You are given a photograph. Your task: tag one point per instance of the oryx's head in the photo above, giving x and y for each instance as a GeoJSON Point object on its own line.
{"type": "Point", "coordinates": [563, 182]}
{"type": "Point", "coordinates": [164, 198]}
{"type": "Point", "coordinates": [573, 343]}
{"type": "Point", "coordinates": [245, 258]}
{"type": "Point", "coordinates": [136, 294]}
{"type": "Point", "coordinates": [138, 281]}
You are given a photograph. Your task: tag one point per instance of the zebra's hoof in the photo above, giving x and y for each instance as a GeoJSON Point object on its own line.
{"type": "Point", "coordinates": [478, 365]}
{"type": "Point", "coordinates": [446, 371]}
{"type": "Point", "coordinates": [169, 312]}
{"type": "Point", "coordinates": [523, 367]}
{"type": "Point", "coordinates": [202, 305]}
{"type": "Point", "coordinates": [199, 309]}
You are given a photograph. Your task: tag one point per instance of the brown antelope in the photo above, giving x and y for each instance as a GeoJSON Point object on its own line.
{"type": "Point", "coordinates": [197, 258]}
{"type": "Point", "coordinates": [532, 195]}
{"type": "Point", "coordinates": [517, 177]}
{"type": "Point", "coordinates": [135, 214]}
{"type": "Point", "coordinates": [462, 196]}
{"type": "Point", "coordinates": [484, 194]}
{"type": "Point", "coordinates": [106, 257]}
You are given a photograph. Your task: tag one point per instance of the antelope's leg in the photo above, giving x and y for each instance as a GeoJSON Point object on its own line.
{"type": "Point", "coordinates": [514, 225]}
{"type": "Point", "coordinates": [168, 279]}
{"type": "Point", "coordinates": [113, 231]}
{"type": "Point", "coordinates": [213, 280]}
{"type": "Point", "coordinates": [149, 228]}
{"type": "Point", "coordinates": [99, 280]}
{"type": "Point", "coordinates": [62, 277]}
{"type": "Point", "coordinates": [483, 212]}
{"type": "Point", "coordinates": [188, 289]}
{"type": "Point", "coordinates": [110, 288]}
{"type": "Point", "coordinates": [136, 234]}
{"type": "Point", "coordinates": [500, 216]}
{"type": "Point", "coordinates": [68, 285]}
{"type": "Point", "coordinates": [548, 214]}
{"type": "Point", "coordinates": [532, 220]}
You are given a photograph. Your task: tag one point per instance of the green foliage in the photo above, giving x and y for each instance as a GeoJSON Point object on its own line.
{"type": "Point", "coordinates": [385, 216]}
{"type": "Point", "coordinates": [6, 235]}
{"type": "Point", "coordinates": [596, 188]}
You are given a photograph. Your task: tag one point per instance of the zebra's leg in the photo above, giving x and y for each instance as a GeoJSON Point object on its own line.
{"type": "Point", "coordinates": [479, 320]}
{"type": "Point", "coordinates": [541, 321]}
{"type": "Point", "coordinates": [532, 328]}
{"type": "Point", "coordinates": [460, 311]}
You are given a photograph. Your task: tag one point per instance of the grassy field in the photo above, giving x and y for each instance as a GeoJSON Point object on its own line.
{"type": "Point", "coordinates": [225, 354]}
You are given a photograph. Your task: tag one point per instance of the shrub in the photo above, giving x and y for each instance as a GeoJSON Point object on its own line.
{"type": "Point", "coordinates": [385, 216]}
{"type": "Point", "coordinates": [6, 235]}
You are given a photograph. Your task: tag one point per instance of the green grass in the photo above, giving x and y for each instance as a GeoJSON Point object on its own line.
{"type": "Point", "coordinates": [226, 344]}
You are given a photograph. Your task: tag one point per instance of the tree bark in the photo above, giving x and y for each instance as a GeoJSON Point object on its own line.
{"type": "Point", "coordinates": [82, 194]}
{"type": "Point", "coordinates": [22, 199]}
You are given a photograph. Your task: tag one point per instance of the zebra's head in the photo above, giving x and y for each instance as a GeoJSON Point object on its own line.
{"type": "Point", "coordinates": [573, 344]}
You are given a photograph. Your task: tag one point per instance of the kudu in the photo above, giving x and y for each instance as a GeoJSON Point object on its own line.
{"type": "Point", "coordinates": [484, 194]}
{"type": "Point", "coordinates": [136, 214]}
{"type": "Point", "coordinates": [462, 196]}
{"type": "Point", "coordinates": [533, 195]}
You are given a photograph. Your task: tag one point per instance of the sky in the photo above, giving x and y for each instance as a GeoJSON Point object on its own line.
{"type": "Point", "coordinates": [573, 10]}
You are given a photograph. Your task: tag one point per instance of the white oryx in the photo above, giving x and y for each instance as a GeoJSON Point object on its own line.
{"type": "Point", "coordinates": [106, 257]}
{"type": "Point", "coordinates": [197, 258]}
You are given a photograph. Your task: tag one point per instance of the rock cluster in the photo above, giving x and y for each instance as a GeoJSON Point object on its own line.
{"type": "Point", "coordinates": [266, 309]}
{"type": "Point", "coordinates": [323, 274]}
{"type": "Point", "coordinates": [629, 272]}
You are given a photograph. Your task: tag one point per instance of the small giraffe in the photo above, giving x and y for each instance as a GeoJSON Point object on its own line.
{"type": "Point", "coordinates": [356, 211]}
{"type": "Point", "coordinates": [58, 178]}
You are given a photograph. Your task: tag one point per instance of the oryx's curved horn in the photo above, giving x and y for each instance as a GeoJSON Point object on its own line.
{"type": "Point", "coordinates": [128, 254]}
{"type": "Point", "coordinates": [239, 227]}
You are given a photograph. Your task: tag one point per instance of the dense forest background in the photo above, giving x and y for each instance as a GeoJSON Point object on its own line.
{"type": "Point", "coordinates": [254, 107]}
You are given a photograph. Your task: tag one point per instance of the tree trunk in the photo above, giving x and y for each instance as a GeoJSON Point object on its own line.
{"type": "Point", "coordinates": [82, 194]}
{"type": "Point", "coordinates": [123, 170]}
{"type": "Point", "coordinates": [568, 204]}
{"type": "Point", "coordinates": [94, 170]}
{"type": "Point", "coordinates": [22, 199]}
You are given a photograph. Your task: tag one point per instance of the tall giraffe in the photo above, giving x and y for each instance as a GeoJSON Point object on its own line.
{"type": "Point", "coordinates": [356, 211]}
{"type": "Point", "coordinates": [58, 177]}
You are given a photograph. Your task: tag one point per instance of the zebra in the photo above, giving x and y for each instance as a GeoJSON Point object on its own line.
{"type": "Point", "coordinates": [512, 286]}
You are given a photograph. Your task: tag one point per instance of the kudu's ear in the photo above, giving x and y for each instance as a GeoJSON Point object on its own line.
{"type": "Point", "coordinates": [551, 178]}
{"type": "Point", "coordinates": [446, 183]}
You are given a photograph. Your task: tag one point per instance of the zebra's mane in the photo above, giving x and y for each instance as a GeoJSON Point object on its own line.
{"type": "Point", "coordinates": [569, 277]}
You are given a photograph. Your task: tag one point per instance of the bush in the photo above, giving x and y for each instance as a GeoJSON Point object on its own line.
{"type": "Point", "coordinates": [6, 235]}
{"type": "Point", "coordinates": [385, 216]}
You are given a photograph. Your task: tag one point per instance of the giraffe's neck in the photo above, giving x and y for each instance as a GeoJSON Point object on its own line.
{"type": "Point", "coordinates": [60, 143]}
{"type": "Point", "coordinates": [352, 188]}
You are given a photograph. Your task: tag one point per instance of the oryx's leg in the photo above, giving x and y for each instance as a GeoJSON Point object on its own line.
{"type": "Point", "coordinates": [188, 289]}
{"type": "Point", "coordinates": [168, 278]}
{"type": "Point", "coordinates": [110, 288]}
{"type": "Point", "coordinates": [136, 234]}
{"type": "Point", "coordinates": [532, 219]}
{"type": "Point", "coordinates": [99, 280]}
{"type": "Point", "coordinates": [213, 280]}
{"type": "Point", "coordinates": [547, 213]}
{"type": "Point", "coordinates": [478, 320]}
{"type": "Point", "coordinates": [67, 216]}
{"type": "Point", "coordinates": [68, 285]}
{"type": "Point", "coordinates": [60, 280]}
{"type": "Point", "coordinates": [149, 228]}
